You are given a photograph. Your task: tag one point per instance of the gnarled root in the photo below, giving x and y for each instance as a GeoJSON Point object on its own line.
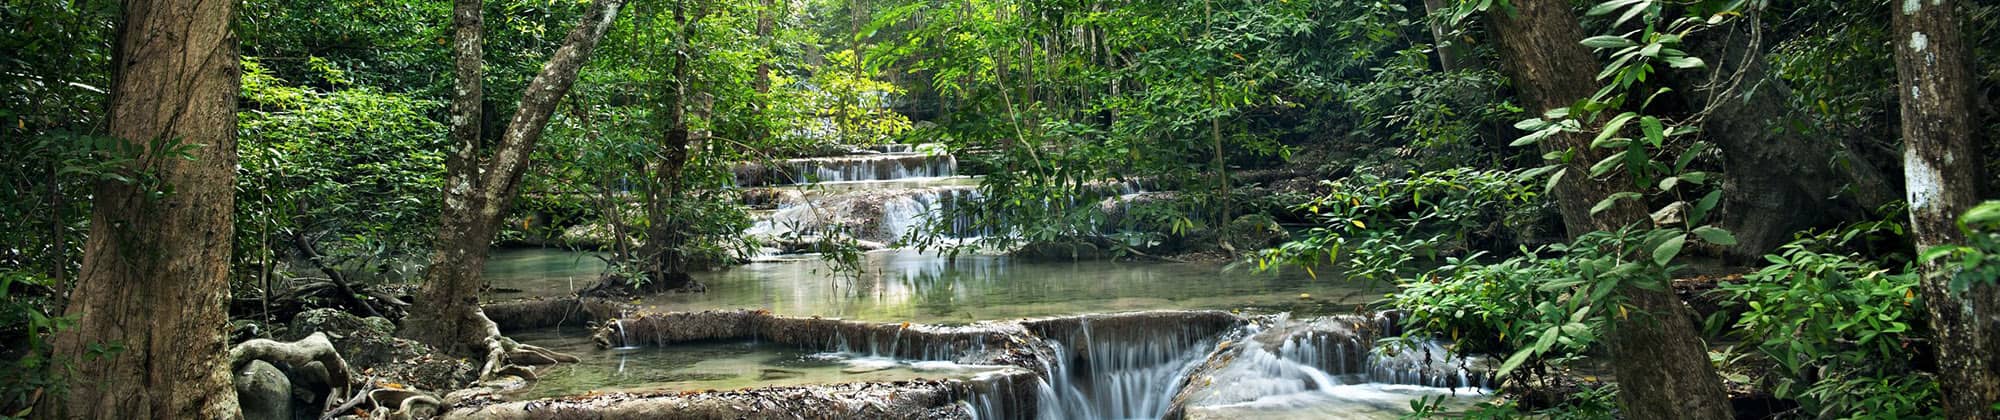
{"type": "Point", "coordinates": [400, 404]}
{"type": "Point", "coordinates": [389, 404]}
{"type": "Point", "coordinates": [313, 348]}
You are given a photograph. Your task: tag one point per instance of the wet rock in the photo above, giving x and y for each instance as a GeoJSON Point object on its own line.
{"type": "Point", "coordinates": [263, 392]}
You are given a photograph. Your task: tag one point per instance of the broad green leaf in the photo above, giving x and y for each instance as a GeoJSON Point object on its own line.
{"type": "Point", "coordinates": [1701, 208]}
{"type": "Point", "coordinates": [1715, 235]}
{"type": "Point", "coordinates": [1655, 133]}
{"type": "Point", "coordinates": [1666, 251]}
{"type": "Point", "coordinates": [1514, 362]}
{"type": "Point", "coordinates": [1610, 162]}
{"type": "Point", "coordinates": [1611, 128]}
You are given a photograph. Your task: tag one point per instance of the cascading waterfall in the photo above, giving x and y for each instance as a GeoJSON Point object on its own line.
{"type": "Point", "coordinates": [1123, 372]}
{"type": "Point", "coordinates": [851, 168]}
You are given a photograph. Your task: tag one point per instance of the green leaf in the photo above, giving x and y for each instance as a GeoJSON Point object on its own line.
{"type": "Point", "coordinates": [1666, 251]}
{"type": "Point", "coordinates": [1611, 128]}
{"type": "Point", "coordinates": [1932, 254]}
{"type": "Point", "coordinates": [1514, 362]}
{"type": "Point", "coordinates": [1609, 6]}
{"type": "Point", "coordinates": [1701, 208]}
{"type": "Point", "coordinates": [1607, 41]}
{"type": "Point", "coordinates": [1554, 179]}
{"type": "Point", "coordinates": [1612, 200]}
{"type": "Point", "coordinates": [1688, 155]}
{"type": "Point", "coordinates": [1651, 50]}
{"type": "Point", "coordinates": [1610, 162]}
{"type": "Point", "coordinates": [1696, 177]}
{"type": "Point", "coordinates": [1655, 131]}
{"type": "Point", "coordinates": [1685, 62]}
{"type": "Point", "coordinates": [1715, 235]}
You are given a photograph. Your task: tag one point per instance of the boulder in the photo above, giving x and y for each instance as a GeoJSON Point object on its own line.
{"type": "Point", "coordinates": [263, 392]}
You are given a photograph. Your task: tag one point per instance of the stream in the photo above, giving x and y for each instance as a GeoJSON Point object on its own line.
{"type": "Point", "coordinates": [1215, 343]}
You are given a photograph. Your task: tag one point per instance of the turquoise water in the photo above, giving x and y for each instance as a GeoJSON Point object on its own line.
{"type": "Point", "coordinates": [907, 286]}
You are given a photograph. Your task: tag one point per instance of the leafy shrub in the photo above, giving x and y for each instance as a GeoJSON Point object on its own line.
{"type": "Point", "coordinates": [1376, 228]}
{"type": "Point", "coordinates": [27, 372]}
{"type": "Point", "coordinates": [1836, 329]}
{"type": "Point", "coordinates": [359, 166]}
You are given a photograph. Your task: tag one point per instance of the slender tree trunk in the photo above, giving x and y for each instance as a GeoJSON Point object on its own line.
{"type": "Point", "coordinates": [155, 278]}
{"type": "Point", "coordinates": [1662, 367]}
{"type": "Point", "coordinates": [764, 28]}
{"type": "Point", "coordinates": [1780, 178]}
{"type": "Point", "coordinates": [661, 254]}
{"type": "Point", "coordinates": [1449, 53]}
{"type": "Point", "coordinates": [476, 195]}
{"type": "Point", "coordinates": [1941, 167]}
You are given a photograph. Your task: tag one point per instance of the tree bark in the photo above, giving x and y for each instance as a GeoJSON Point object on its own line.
{"type": "Point", "coordinates": [476, 194]}
{"type": "Point", "coordinates": [155, 276]}
{"type": "Point", "coordinates": [1449, 54]}
{"type": "Point", "coordinates": [1661, 365]}
{"type": "Point", "coordinates": [660, 255]}
{"type": "Point", "coordinates": [1780, 179]}
{"type": "Point", "coordinates": [1941, 167]}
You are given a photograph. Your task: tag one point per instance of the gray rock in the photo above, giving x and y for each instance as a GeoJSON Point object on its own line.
{"type": "Point", "coordinates": [263, 392]}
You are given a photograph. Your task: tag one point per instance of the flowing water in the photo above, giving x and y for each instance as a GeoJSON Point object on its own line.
{"type": "Point", "coordinates": [1301, 359]}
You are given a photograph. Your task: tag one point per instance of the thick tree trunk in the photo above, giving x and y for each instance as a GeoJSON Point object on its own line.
{"type": "Point", "coordinates": [1661, 365]}
{"type": "Point", "coordinates": [1780, 179]}
{"type": "Point", "coordinates": [155, 276]}
{"type": "Point", "coordinates": [1941, 167]}
{"type": "Point", "coordinates": [476, 195]}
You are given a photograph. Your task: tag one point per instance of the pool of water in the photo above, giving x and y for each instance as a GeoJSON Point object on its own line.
{"type": "Point", "coordinates": [717, 366]}
{"type": "Point", "coordinates": [907, 286]}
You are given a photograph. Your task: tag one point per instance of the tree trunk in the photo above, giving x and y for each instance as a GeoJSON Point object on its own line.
{"type": "Point", "coordinates": [1450, 56]}
{"type": "Point", "coordinates": [660, 256]}
{"type": "Point", "coordinates": [1661, 365]}
{"type": "Point", "coordinates": [476, 195]}
{"type": "Point", "coordinates": [1941, 167]}
{"type": "Point", "coordinates": [765, 10]}
{"type": "Point", "coordinates": [155, 278]}
{"type": "Point", "coordinates": [1780, 179]}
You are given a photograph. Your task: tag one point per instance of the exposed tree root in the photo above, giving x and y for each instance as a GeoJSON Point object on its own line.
{"type": "Point", "coordinates": [313, 348]}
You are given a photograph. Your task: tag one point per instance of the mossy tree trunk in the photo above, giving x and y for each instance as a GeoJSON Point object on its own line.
{"type": "Point", "coordinates": [149, 340]}
{"type": "Point", "coordinates": [1941, 167]}
{"type": "Point", "coordinates": [1660, 362]}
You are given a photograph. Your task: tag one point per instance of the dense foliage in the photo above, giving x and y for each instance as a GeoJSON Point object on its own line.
{"type": "Point", "coordinates": [1375, 140]}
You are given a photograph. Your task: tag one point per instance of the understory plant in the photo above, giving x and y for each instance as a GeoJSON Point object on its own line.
{"type": "Point", "coordinates": [1386, 229]}
{"type": "Point", "coordinates": [1835, 331]}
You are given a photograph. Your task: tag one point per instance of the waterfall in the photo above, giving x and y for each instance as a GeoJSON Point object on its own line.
{"type": "Point", "coordinates": [1146, 370]}
{"type": "Point", "coordinates": [1121, 373]}
{"type": "Point", "coordinates": [850, 168]}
